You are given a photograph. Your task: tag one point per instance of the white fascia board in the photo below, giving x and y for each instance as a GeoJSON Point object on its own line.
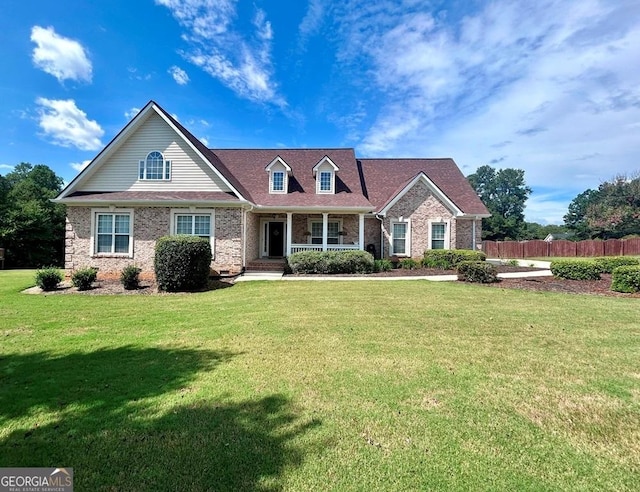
{"type": "Point", "coordinates": [312, 210]}
{"type": "Point", "coordinates": [153, 203]}
{"type": "Point", "coordinates": [277, 160]}
{"type": "Point", "coordinates": [326, 158]}
{"type": "Point", "coordinates": [434, 189]}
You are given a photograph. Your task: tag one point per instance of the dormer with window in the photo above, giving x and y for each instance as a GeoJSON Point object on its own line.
{"type": "Point", "coordinates": [325, 174]}
{"type": "Point", "coordinates": [154, 168]}
{"type": "Point", "coordinates": [279, 172]}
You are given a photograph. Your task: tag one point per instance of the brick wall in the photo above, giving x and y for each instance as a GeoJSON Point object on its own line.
{"type": "Point", "coordinates": [420, 206]}
{"type": "Point", "coordinates": [149, 223]}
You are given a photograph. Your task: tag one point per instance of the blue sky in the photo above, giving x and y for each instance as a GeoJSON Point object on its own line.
{"type": "Point", "coordinates": [551, 87]}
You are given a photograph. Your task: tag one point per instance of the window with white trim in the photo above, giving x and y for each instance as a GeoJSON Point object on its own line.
{"type": "Point", "coordinates": [333, 232]}
{"type": "Point", "coordinates": [438, 235]}
{"type": "Point", "coordinates": [193, 224]}
{"type": "Point", "coordinates": [400, 239]}
{"type": "Point", "coordinates": [277, 181]}
{"type": "Point", "coordinates": [325, 178]}
{"type": "Point", "coordinates": [154, 167]}
{"type": "Point", "coordinates": [112, 233]}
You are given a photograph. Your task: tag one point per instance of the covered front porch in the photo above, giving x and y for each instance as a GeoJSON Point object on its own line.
{"type": "Point", "coordinates": [282, 234]}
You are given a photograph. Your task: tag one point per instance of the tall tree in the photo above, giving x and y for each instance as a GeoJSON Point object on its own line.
{"type": "Point", "coordinates": [504, 192]}
{"type": "Point", "coordinates": [611, 211]}
{"type": "Point", "coordinates": [31, 226]}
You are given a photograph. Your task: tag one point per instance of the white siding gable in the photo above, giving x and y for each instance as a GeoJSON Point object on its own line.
{"type": "Point", "coordinates": [120, 171]}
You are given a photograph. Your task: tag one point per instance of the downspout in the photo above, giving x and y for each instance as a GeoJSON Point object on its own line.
{"type": "Point", "coordinates": [473, 233]}
{"type": "Point", "coordinates": [380, 218]}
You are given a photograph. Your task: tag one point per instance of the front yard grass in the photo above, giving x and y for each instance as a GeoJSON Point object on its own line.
{"type": "Point", "coordinates": [323, 386]}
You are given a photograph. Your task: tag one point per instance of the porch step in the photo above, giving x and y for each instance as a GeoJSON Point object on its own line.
{"type": "Point", "coordinates": [266, 265]}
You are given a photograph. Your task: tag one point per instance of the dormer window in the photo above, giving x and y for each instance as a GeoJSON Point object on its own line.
{"type": "Point", "coordinates": [325, 173]}
{"type": "Point", "coordinates": [279, 172]}
{"type": "Point", "coordinates": [155, 167]}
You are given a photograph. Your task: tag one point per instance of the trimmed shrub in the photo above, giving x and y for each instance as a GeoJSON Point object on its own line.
{"type": "Point", "coordinates": [608, 264]}
{"type": "Point", "coordinates": [48, 278]}
{"type": "Point", "coordinates": [575, 269]}
{"type": "Point", "coordinates": [182, 263]}
{"type": "Point", "coordinates": [130, 277]}
{"type": "Point", "coordinates": [408, 263]}
{"type": "Point", "coordinates": [626, 279]}
{"type": "Point", "coordinates": [447, 259]}
{"type": "Point", "coordinates": [477, 271]}
{"type": "Point", "coordinates": [382, 265]}
{"type": "Point", "coordinates": [331, 262]}
{"type": "Point", "coordinates": [83, 278]}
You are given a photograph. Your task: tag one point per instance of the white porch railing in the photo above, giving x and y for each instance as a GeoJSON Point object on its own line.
{"type": "Point", "coordinates": [295, 248]}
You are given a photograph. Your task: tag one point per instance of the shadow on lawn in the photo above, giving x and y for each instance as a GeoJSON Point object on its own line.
{"type": "Point", "coordinates": [90, 411]}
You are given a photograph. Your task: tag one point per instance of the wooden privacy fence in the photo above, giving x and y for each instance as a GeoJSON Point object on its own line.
{"type": "Point", "coordinates": [539, 248]}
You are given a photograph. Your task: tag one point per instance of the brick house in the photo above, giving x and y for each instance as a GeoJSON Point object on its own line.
{"type": "Point", "coordinates": [155, 178]}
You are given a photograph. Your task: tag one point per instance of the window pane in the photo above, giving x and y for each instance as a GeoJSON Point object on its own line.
{"type": "Point", "coordinates": [122, 224]}
{"type": "Point", "coordinates": [399, 246]}
{"type": "Point", "coordinates": [104, 243]}
{"type": "Point", "coordinates": [316, 229]}
{"type": "Point", "coordinates": [399, 231]}
{"type": "Point", "coordinates": [278, 181]}
{"type": "Point", "coordinates": [325, 181]}
{"type": "Point", "coordinates": [202, 225]}
{"type": "Point", "coordinates": [122, 244]}
{"type": "Point", "coordinates": [105, 224]}
{"type": "Point", "coordinates": [437, 244]}
{"type": "Point", "coordinates": [183, 224]}
{"type": "Point", "coordinates": [167, 169]}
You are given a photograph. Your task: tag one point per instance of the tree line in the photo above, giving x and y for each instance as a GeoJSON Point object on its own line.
{"type": "Point", "coordinates": [611, 211]}
{"type": "Point", "coordinates": [31, 226]}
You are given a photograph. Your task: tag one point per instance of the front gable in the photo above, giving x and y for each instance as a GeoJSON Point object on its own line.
{"type": "Point", "coordinates": [119, 167]}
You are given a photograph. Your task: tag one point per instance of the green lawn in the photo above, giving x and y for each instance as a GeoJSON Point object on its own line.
{"type": "Point", "coordinates": [323, 386]}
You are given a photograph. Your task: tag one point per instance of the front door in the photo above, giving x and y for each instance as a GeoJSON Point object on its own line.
{"type": "Point", "coordinates": [276, 239]}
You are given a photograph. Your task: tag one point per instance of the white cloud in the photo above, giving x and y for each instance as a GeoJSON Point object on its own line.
{"type": "Point", "coordinates": [179, 75]}
{"type": "Point", "coordinates": [551, 87]}
{"type": "Point", "coordinates": [79, 166]}
{"type": "Point", "coordinates": [61, 57]}
{"type": "Point", "coordinates": [67, 126]}
{"type": "Point", "coordinates": [205, 141]}
{"type": "Point", "coordinates": [7, 166]}
{"type": "Point", "coordinates": [241, 62]}
{"type": "Point", "coordinates": [131, 113]}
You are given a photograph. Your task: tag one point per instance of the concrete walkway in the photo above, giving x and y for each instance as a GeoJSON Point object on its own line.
{"type": "Point", "coordinates": [247, 277]}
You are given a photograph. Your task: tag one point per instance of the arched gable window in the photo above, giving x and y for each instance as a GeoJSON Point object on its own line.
{"type": "Point", "coordinates": [155, 166]}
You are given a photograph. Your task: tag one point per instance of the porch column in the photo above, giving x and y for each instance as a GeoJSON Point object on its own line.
{"type": "Point", "coordinates": [361, 232]}
{"type": "Point", "coordinates": [325, 230]}
{"type": "Point", "coordinates": [289, 232]}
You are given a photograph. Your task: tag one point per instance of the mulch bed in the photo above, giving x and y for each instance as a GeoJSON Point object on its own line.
{"type": "Point", "coordinates": [600, 287]}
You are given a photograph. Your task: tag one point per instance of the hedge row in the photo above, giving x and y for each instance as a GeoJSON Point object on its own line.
{"type": "Point", "coordinates": [447, 259]}
{"type": "Point", "coordinates": [626, 279]}
{"type": "Point", "coordinates": [331, 262]}
{"type": "Point", "coordinates": [608, 264]}
{"type": "Point", "coordinates": [576, 269]}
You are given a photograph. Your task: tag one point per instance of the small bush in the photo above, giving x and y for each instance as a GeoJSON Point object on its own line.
{"type": "Point", "coordinates": [447, 259]}
{"type": "Point", "coordinates": [83, 278]}
{"type": "Point", "coordinates": [324, 262]}
{"type": "Point", "coordinates": [130, 277]}
{"type": "Point", "coordinates": [626, 279]}
{"type": "Point", "coordinates": [477, 271]}
{"type": "Point", "coordinates": [48, 278]}
{"type": "Point", "coordinates": [408, 263]}
{"type": "Point", "coordinates": [575, 269]}
{"type": "Point", "coordinates": [382, 265]}
{"type": "Point", "coordinates": [182, 262]}
{"type": "Point", "coordinates": [608, 264]}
